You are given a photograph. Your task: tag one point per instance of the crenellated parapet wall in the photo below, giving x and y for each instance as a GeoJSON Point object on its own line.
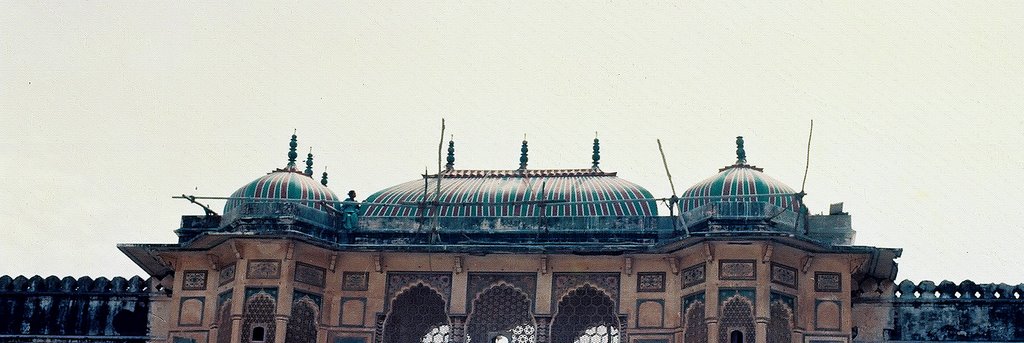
{"type": "Point", "coordinates": [957, 312]}
{"type": "Point", "coordinates": [69, 309]}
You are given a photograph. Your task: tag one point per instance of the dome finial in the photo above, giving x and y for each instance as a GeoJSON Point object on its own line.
{"type": "Point", "coordinates": [309, 163]}
{"type": "Point", "coordinates": [451, 154]}
{"type": "Point", "coordinates": [523, 158]}
{"type": "Point", "coordinates": [741, 155]}
{"type": "Point", "coordinates": [291, 150]}
{"type": "Point", "coordinates": [323, 179]}
{"type": "Point", "coordinates": [597, 152]}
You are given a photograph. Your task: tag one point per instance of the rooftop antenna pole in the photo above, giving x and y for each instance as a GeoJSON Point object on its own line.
{"type": "Point", "coordinates": [807, 167]}
{"type": "Point", "coordinates": [675, 199]}
{"type": "Point", "coordinates": [437, 195]}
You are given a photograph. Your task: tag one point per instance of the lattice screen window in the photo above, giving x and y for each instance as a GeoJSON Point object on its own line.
{"type": "Point", "coordinates": [585, 315]}
{"type": "Point", "coordinates": [417, 315]}
{"type": "Point", "coordinates": [696, 328]}
{"type": "Point", "coordinates": [737, 320]}
{"type": "Point", "coordinates": [780, 325]}
{"type": "Point", "coordinates": [302, 325]}
{"type": "Point", "coordinates": [258, 319]}
{"type": "Point", "coordinates": [224, 325]}
{"type": "Point", "coordinates": [502, 310]}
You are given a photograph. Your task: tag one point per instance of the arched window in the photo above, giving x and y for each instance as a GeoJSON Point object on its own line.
{"type": "Point", "coordinates": [258, 321]}
{"type": "Point", "coordinates": [736, 336]}
{"type": "Point", "coordinates": [258, 334]}
{"type": "Point", "coordinates": [737, 319]}
{"type": "Point", "coordinates": [302, 325]}
{"type": "Point", "coordinates": [224, 325]}
{"type": "Point", "coordinates": [417, 315]}
{"type": "Point", "coordinates": [780, 325]}
{"type": "Point", "coordinates": [696, 328]}
{"type": "Point", "coordinates": [502, 310]}
{"type": "Point", "coordinates": [585, 315]}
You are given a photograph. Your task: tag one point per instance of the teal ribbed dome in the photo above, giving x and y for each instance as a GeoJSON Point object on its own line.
{"type": "Point", "coordinates": [739, 182]}
{"type": "Point", "coordinates": [283, 185]}
{"type": "Point", "coordinates": [518, 193]}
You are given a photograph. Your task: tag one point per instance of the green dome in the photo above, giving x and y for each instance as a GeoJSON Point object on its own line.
{"type": "Point", "coordinates": [739, 182]}
{"type": "Point", "coordinates": [283, 185]}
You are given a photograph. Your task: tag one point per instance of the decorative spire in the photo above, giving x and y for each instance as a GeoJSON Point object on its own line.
{"type": "Point", "coordinates": [323, 179]}
{"type": "Point", "coordinates": [523, 158]}
{"type": "Point", "coordinates": [309, 163]}
{"type": "Point", "coordinates": [741, 155]}
{"type": "Point", "coordinates": [291, 151]}
{"type": "Point", "coordinates": [597, 152]}
{"type": "Point", "coordinates": [451, 155]}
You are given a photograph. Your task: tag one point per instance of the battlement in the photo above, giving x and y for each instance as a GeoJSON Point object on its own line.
{"type": "Point", "coordinates": [69, 309]}
{"type": "Point", "coordinates": [966, 290]}
{"type": "Point", "coordinates": [67, 284]}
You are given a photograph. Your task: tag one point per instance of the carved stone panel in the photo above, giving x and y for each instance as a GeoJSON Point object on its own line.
{"type": "Point", "coordinates": [194, 280]}
{"type": "Point", "coordinates": [828, 282]}
{"type": "Point", "coordinates": [737, 270]}
{"type": "Point", "coordinates": [694, 275]}
{"type": "Point", "coordinates": [784, 275]}
{"type": "Point", "coordinates": [650, 282]}
{"type": "Point", "coordinates": [263, 269]}
{"type": "Point", "coordinates": [355, 281]}
{"type": "Point", "coordinates": [310, 274]}
{"type": "Point", "coordinates": [227, 274]}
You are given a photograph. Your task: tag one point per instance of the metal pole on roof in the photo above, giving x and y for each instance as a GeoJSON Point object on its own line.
{"type": "Point", "coordinates": [672, 201]}
{"type": "Point", "coordinates": [800, 196]}
{"type": "Point", "coordinates": [434, 236]}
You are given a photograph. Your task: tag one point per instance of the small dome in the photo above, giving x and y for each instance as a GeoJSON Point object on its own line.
{"type": "Point", "coordinates": [518, 193]}
{"type": "Point", "coordinates": [284, 184]}
{"type": "Point", "coordinates": [739, 182]}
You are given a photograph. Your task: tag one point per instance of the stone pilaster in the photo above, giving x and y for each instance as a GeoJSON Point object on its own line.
{"type": "Point", "coordinates": [543, 327]}
{"type": "Point", "coordinates": [458, 323]}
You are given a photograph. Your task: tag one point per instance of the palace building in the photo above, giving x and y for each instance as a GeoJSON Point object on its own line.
{"type": "Point", "coordinates": [524, 255]}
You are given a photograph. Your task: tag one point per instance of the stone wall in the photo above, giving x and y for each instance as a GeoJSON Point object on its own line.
{"type": "Point", "coordinates": [952, 312]}
{"type": "Point", "coordinates": [69, 310]}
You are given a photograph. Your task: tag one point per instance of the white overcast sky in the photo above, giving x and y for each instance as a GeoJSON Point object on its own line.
{"type": "Point", "coordinates": [107, 109]}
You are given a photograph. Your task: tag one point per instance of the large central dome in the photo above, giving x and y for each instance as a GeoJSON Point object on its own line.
{"type": "Point", "coordinates": [514, 193]}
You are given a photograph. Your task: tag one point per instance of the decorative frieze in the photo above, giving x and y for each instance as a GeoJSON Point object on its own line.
{"type": "Point", "coordinates": [737, 270]}
{"type": "Point", "coordinates": [650, 282]}
{"type": "Point", "coordinates": [263, 269]}
{"type": "Point", "coordinates": [355, 281]}
{"type": "Point", "coordinates": [784, 275]}
{"type": "Point", "coordinates": [310, 274]}
{"type": "Point", "coordinates": [828, 282]}
{"type": "Point", "coordinates": [227, 274]}
{"type": "Point", "coordinates": [694, 275]}
{"type": "Point", "coordinates": [194, 280]}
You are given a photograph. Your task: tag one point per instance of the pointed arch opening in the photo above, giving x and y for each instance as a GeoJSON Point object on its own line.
{"type": "Point", "coordinates": [780, 324]}
{"type": "Point", "coordinates": [696, 327]}
{"type": "Point", "coordinates": [417, 315]}
{"type": "Point", "coordinates": [303, 322]}
{"type": "Point", "coordinates": [258, 323]}
{"type": "Point", "coordinates": [737, 319]}
{"type": "Point", "coordinates": [585, 315]}
{"type": "Point", "coordinates": [502, 312]}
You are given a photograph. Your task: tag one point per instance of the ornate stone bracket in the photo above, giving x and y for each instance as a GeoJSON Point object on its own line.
{"type": "Point", "coordinates": [673, 264]}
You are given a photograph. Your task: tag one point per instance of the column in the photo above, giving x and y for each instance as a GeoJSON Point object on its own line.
{"type": "Point", "coordinates": [281, 332]}
{"type": "Point", "coordinates": [236, 328]}
{"type": "Point", "coordinates": [544, 327]}
{"type": "Point", "coordinates": [458, 323]}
